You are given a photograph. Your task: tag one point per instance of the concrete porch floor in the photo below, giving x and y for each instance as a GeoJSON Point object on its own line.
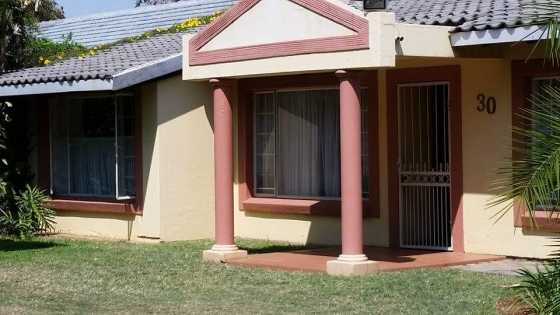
{"type": "Point", "coordinates": [388, 259]}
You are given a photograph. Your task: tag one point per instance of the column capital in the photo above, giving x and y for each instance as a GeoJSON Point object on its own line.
{"type": "Point", "coordinates": [346, 75]}
{"type": "Point", "coordinates": [221, 83]}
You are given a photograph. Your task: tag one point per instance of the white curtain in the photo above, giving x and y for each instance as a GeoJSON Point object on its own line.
{"type": "Point", "coordinates": [92, 166]}
{"type": "Point", "coordinates": [308, 143]}
{"type": "Point", "coordinates": [84, 148]}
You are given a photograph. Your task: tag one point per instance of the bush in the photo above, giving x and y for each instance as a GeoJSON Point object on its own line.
{"type": "Point", "coordinates": [29, 217]}
{"type": "Point", "coordinates": [540, 290]}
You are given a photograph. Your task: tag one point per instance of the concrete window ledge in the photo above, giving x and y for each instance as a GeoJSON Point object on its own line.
{"type": "Point", "coordinates": [115, 207]}
{"type": "Point", "coordinates": [297, 206]}
{"type": "Point", "coordinates": [542, 221]}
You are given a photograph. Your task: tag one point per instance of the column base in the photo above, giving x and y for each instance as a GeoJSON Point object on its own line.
{"type": "Point", "coordinates": [222, 253]}
{"type": "Point", "coordinates": [351, 265]}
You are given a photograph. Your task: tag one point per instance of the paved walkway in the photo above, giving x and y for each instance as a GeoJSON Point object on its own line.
{"type": "Point", "coordinates": [507, 266]}
{"type": "Point", "coordinates": [388, 259]}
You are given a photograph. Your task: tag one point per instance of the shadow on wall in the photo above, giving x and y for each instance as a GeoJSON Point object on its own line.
{"type": "Point", "coordinates": [319, 230]}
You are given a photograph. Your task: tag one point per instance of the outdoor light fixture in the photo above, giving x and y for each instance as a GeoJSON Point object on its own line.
{"type": "Point", "coordinates": [375, 4]}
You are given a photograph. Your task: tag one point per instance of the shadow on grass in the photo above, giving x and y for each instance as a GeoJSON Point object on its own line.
{"type": "Point", "coordinates": [15, 245]}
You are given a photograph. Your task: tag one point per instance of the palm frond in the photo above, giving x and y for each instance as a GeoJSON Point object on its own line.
{"type": "Point", "coordinates": [547, 15]}
{"type": "Point", "coordinates": [532, 176]}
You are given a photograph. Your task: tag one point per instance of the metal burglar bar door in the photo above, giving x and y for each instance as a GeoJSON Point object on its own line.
{"type": "Point", "coordinates": [424, 170]}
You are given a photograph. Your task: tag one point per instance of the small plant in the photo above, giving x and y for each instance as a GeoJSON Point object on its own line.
{"type": "Point", "coordinates": [540, 289]}
{"type": "Point", "coordinates": [30, 216]}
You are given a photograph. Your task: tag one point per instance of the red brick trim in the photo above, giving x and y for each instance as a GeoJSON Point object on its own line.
{"type": "Point", "coordinates": [523, 72]}
{"type": "Point", "coordinates": [247, 201]}
{"type": "Point", "coordinates": [451, 74]}
{"type": "Point", "coordinates": [63, 203]}
{"type": "Point", "coordinates": [290, 48]}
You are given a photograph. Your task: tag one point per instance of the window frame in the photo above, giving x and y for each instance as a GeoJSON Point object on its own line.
{"type": "Point", "coordinates": [94, 204]}
{"type": "Point", "coordinates": [524, 75]}
{"type": "Point", "coordinates": [250, 202]}
{"type": "Point", "coordinates": [274, 93]}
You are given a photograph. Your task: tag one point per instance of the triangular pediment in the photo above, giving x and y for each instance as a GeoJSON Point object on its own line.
{"type": "Point", "coordinates": [276, 21]}
{"type": "Point", "coordinates": [258, 29]}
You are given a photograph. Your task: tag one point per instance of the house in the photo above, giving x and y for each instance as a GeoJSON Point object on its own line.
{"type": "Point", "coordinates": [308, 121]}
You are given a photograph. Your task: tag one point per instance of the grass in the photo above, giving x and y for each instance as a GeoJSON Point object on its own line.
{"type": "Point", "coordinates": [73, 276]}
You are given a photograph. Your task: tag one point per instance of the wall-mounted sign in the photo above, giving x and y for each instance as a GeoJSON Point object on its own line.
{"type": "Point", "coordinates": [486, 104]}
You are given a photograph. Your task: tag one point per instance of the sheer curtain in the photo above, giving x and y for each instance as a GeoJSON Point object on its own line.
{"type": "Point", "coordinates": [84, 147]}
{"type": "Point", "coordinates": [308, 143]}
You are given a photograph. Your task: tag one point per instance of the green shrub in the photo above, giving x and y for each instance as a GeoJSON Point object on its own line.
{"type": "Point", "coordinates": [540, 290]}
{"type": "Point", "coordinates": [30, 216]}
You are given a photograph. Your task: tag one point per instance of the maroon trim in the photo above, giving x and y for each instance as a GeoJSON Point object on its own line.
{"type": "Point", "coordinates": [523, 73]}
{"type": "Point", "coordinates": [451, 74]}
{"type": "Point", "coordinates": [290, 48]}
{"type": "Point", "coordinates": [89, 204]}
{"type": "Point", "coordinates": [249, 202]}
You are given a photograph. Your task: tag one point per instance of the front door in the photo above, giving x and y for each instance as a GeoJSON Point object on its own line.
{"type": "Point", "coordinates": [424, 166]}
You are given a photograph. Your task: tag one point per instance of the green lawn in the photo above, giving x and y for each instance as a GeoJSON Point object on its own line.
{"type": "Point", "coordinates": [69, 276]}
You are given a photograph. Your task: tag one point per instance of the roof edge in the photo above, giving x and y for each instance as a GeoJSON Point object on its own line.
{"type": "Point", "coordinates": [122, 80]}
{"type": "Point", "coordinates": [56, 87]}
{"type": "Point", "coordinates": [499, 36]}
{"type": "Point", "coordinates": [148, 71]}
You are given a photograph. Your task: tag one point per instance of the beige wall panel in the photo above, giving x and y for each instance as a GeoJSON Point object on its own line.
{"type": "Point", "coordinates": [414, 39]}
{"type": "Point", "coordinates": [284, 25]}
{"type": "Point", "coordinates": [122, 227]}
{"type": "Point", "coordinates": [486, 142]}
{"type": "Point", "coordinates": [186, 159]}
{"type": "Point", "coordinates": [150, 220]}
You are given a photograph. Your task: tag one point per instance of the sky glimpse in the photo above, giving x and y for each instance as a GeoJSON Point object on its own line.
{"type": "Point", "coordinates": [74, 8]}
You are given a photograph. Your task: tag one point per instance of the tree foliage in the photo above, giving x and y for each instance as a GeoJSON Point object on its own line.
{"type": "Point", "coordinates": [18, 26]}
{"type": "Point", "coordinates": [22, 208]}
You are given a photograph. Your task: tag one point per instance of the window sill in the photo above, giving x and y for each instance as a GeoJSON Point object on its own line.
{"type": "Point", "coordinates": [114, 207]}
{"type": "Point", "coordinates": [330, 208]}
{"type": "Point", "coordinates": [542, 221]}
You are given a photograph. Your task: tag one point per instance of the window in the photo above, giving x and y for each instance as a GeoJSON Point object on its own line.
{"type": "Point", "coordinates": [92, 147]}
{"type": "Point", "coordinates": [540, 86]}
{"type": "Point", "coordinates": [297, 144]}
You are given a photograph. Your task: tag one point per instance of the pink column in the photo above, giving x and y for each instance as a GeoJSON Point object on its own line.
{"type": "Point", "coordinates": [223, 159]}
{"type": "Point", "coordinates": [351, 167]}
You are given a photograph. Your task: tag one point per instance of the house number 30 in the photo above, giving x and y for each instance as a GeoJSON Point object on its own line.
{"type": "Point", "coordinates": [486, 104]}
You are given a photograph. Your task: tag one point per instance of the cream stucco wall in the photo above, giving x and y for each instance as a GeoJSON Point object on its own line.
{"type": "Point", "coordinates": [290, 21]}
{"type": "Point", "coordinates": [486, 142]}
{"type": "Point", "coordinates": [186, 159]}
